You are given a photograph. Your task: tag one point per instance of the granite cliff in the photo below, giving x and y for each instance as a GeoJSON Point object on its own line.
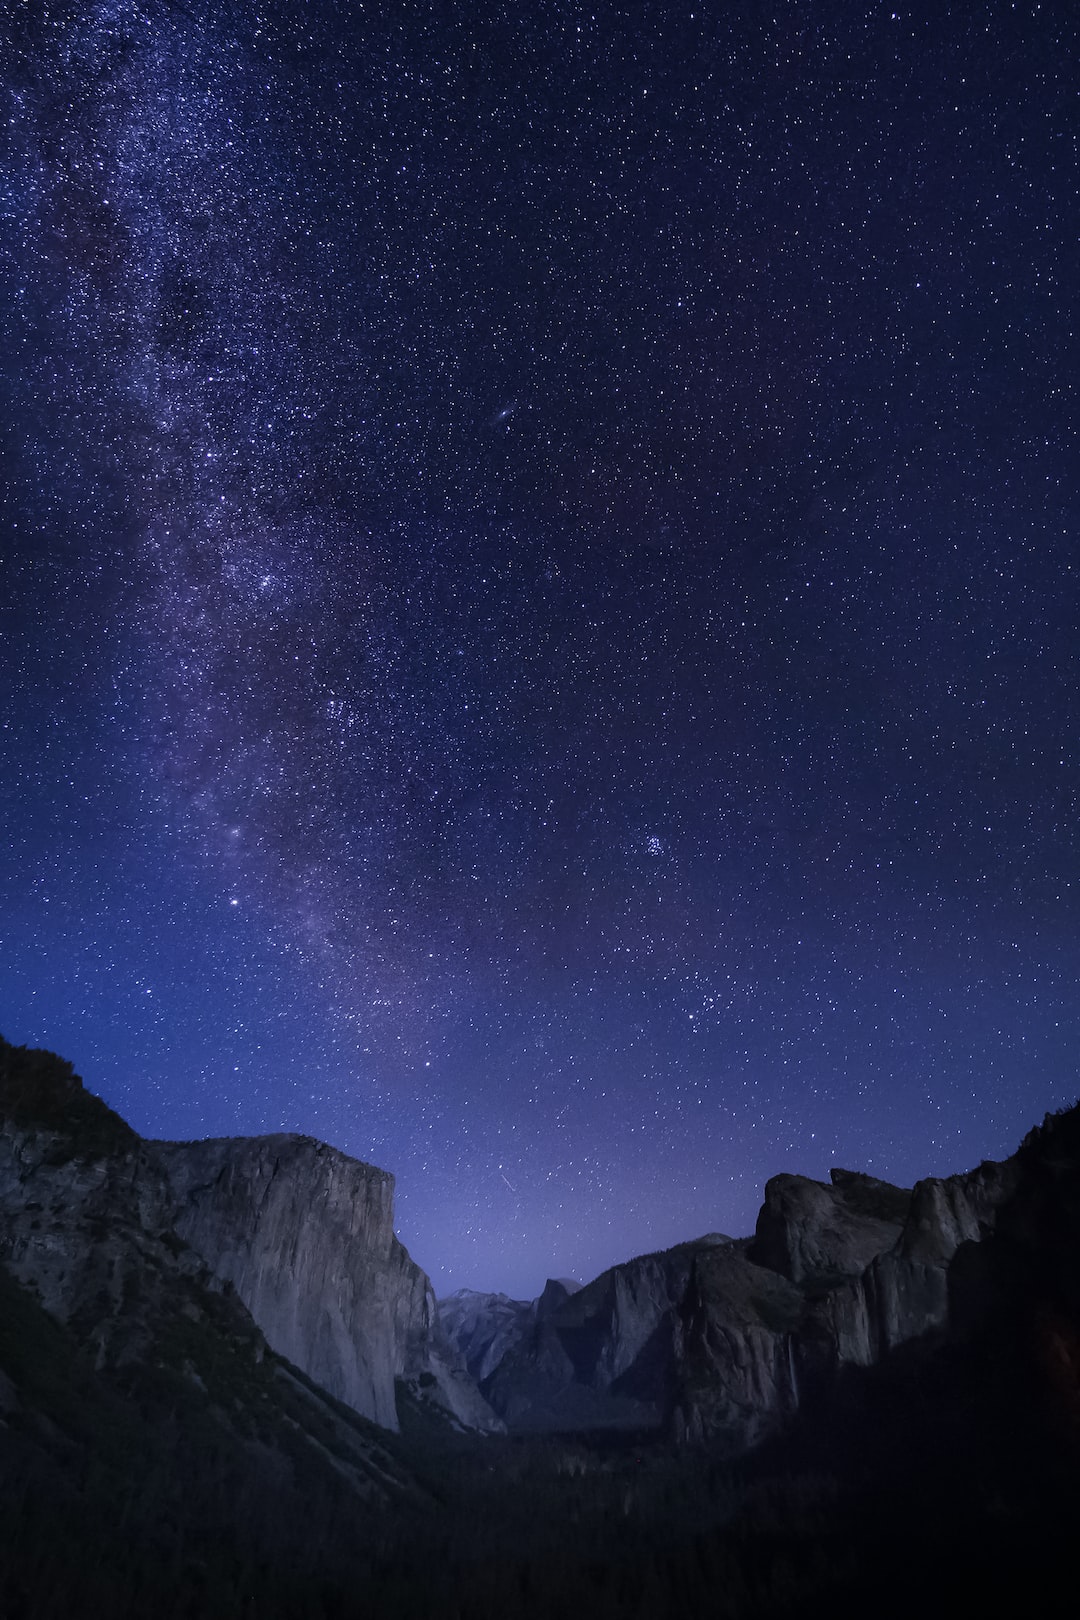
{"type": "Point", "coordinates": [305, 1236]}
{"type": "Point", "coordinates": [912, 1358]}
{"type": "Point", "coordinates": [87, 1244]}
{"type": "Point", "coordinates": [726, 1340]}
{"type": "Point", "coordinates": [94, 1218]}
{"type": "Point", "coordinates": [484, 1327]}
{"type": "Point", "coordinates": [716, 1339]}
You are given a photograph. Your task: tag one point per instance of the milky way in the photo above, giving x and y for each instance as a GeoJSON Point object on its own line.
{"type": "Point", "coordinates": [540, 627]}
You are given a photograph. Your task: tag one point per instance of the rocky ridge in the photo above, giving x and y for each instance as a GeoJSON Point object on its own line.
{"type": "Point", "coordinates": [136, 1313]}
{"type": "Point", "coordinates": [100, 1223]}
{"type": "Point", "coordinates": [724, 1340]}
{"type": "Point", "coordinates": [305, 1236]}
{"type": "Point", "coordinates": [913, 1358]}
{"type": "Point", "coordinates": [716, 1339]}
{"type": "Point", "coordinates": [484, 1327]}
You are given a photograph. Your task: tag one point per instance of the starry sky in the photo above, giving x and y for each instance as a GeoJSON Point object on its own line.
{"type": "Point", "coordinates": [539, 612]}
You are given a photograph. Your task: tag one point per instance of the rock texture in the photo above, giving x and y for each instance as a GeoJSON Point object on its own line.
{"type": "Point", "coordinates": [600, 1357]}
{"type": "Point", "coordinates": [94, 1219]}
{"type": "Point", "coordinates": [305, 1235]}
{"type": "Point", "coordinates": [483, 1328]}
{"type": "Point", "coordinates": [725, 1339]}
{"type": "Point", "coordinates": [86, 1240]}
{"type": "Point", "coordinates": [714, 1339]}
{"type": "Point", "coordinates": [83, 1212]}
{"type": "Point", "coordinates": [815, 1234]}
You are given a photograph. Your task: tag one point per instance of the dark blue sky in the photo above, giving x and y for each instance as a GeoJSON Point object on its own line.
{"type": "Point", "coordinates": [539, 628]}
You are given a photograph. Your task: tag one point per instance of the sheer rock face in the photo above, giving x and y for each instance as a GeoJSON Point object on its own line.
{"type": "Point", "coordinates": [484, 1327]}
{"type": "Point", "coordinates": [714, 1338]}
{"type": "Point", "coordinates": [905, 1290]}
{"type": "Point", "coordinates": [724, 1339]}
{"type": "Point", "coordinates": [696, 1338]}
{"type": "Point", "coordinates": [603, 1356]}
{"type": "Point", "coordinates": [813, 1233]}
{"type": "Point", "coordinates": [85, 1230]}
{"type": "Point", "coordinates": [104, 1227]}
{"type": "Point", "coordinates": [738, 1377]}
{"type": "Point", "coordinates": [959, 1209]}
{"type": "Point", "coordinates": [305, 1236]}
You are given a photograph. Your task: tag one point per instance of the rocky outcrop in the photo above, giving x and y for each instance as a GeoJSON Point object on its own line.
{"type": "Point", "coordinates": [726, 1340]}
{"type": "Point", "coordinates": [605, 1355]}
{"type": "Point", "coordinates": [715, 1338]}
{"type": "Point", "coordinates": [904, 1291]}
{"type": "Point", "coordinates": [96, 1220]}
{"type": "Point", "coordinates": [437, 1379]}
{"type": "Point", "coordinates": [737, 1380]}
{"type": "Point", "coordinates": [305, 1236]}
{"type": "Point", "coordinates": [815, 1234]}
{"type": "Point", "coordinates": [83, 1211]}
{"type": "Point", "coordinates": [484, 1328]}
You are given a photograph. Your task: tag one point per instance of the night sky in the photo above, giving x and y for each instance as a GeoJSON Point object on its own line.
{"type": "Point", "coordinates": [539, 613]}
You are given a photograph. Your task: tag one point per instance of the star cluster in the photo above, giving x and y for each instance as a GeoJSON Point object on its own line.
{"type": "Point", "coordinates": [540, 592]}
